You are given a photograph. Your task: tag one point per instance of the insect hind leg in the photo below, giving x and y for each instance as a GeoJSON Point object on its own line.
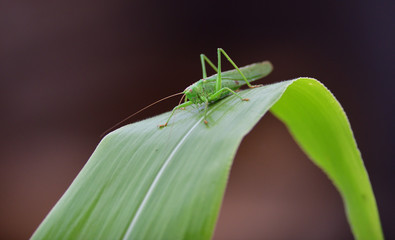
{"type": "Point", "coordinates": [220, 50]}
{"type": "Point", "coordinates": [204, 60]}
{"type": "Point", "coordinates": [219, 93]}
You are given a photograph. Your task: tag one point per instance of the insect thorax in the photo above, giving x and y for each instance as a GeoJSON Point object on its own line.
{"type": "Point", "coordinates": [195, 92]}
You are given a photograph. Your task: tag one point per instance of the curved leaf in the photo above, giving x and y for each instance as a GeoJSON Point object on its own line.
{"type": "Point", "coordinates": [142, 182]}
{"type": "Point", "coordinates": [320, 126]}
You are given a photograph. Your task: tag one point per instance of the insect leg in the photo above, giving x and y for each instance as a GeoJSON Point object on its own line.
{"type": "Point", "coordinates": [205, 111]}
{"type": "Point", "coordinates": [220, 50]}
{"type": "Point", "coordinates": [217, 95]}
{"type": "Point", "coordinates": [218, 84]}
{"type": "Point", "coordinates": [174, 109]}
{"type": "Point", "coordinates": [204, 58]}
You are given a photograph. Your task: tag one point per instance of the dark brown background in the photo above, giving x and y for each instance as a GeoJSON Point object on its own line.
{"type": "Point", "coordinates": [71, 69]}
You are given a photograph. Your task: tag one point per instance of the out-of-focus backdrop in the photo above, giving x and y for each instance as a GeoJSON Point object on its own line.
{"type": "Point", "coordinates": [71, 69]}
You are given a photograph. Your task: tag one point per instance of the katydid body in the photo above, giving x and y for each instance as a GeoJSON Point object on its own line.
{"type": "Point", "coordinates": [230, 79]}
{"type": "Point", "coordinates": [213, 88]}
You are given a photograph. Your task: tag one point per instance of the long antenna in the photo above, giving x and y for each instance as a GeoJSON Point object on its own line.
{"type": "Point", "coordinates": [127, 118]}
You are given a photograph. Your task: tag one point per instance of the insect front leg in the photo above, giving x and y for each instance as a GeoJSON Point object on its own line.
{"type": "Point", "coordinates": [205, 112]}
{"type": "Point", "coordinates": [205, 109]}
{"type": "Point", "coordinates": [220, 50]}
{"type": "Point", "coordinates": [185, 100]}
{"type": "Point", "coordinates": [185, 104]}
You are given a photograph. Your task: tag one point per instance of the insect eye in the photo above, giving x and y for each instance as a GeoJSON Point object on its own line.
{"type": "Point", "coordinates": [190, 90]}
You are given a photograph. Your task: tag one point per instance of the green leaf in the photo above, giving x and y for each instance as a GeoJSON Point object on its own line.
{"type": "Point", "coordinates": [142, 182]}
{"type": "Point", "coordinates": [318, 123]}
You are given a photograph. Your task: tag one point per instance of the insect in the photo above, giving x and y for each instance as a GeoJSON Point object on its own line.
{"type": "Point", "coordinates": [213, 88]}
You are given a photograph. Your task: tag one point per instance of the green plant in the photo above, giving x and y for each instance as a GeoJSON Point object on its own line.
{"type": "Point", "coordinates": [142, 182]}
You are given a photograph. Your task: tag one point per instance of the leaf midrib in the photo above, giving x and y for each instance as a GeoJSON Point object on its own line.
{"type": "Point", "coordinates": [156, 179]}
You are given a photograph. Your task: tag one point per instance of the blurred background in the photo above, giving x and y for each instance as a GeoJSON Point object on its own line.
{"type": "Point", "coordinates": [71, 69]}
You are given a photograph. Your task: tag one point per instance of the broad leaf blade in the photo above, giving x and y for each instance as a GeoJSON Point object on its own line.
{"type": "Point", "coordinates": [148, 183]}
{"type": "Point", "coordinates": [320, 126]}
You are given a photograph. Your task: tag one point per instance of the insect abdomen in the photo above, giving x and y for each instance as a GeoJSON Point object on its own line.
{"type": "Point", "coordinates": [232, 84]}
